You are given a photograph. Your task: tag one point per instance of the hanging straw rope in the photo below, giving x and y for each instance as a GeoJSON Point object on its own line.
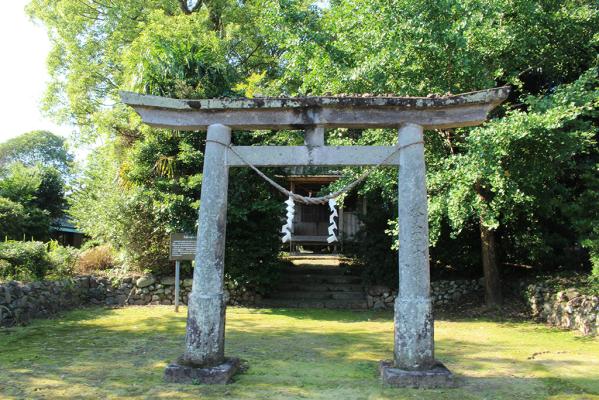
{"type": "Point", "coordinates": [322, 199]}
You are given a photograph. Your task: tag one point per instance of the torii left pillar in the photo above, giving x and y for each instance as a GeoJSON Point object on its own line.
{"type": "Point", "coordinates": [204, 358]}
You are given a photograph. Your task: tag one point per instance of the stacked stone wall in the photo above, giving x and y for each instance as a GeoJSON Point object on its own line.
{"type": "Point", "coordinates": [566, 309]}
{"type": "Point", "coordinates": [20, 302]}
{"type": "Point", "coordinates": [442, 293]}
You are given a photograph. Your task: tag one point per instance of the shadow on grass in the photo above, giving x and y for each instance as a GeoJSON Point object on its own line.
{"type": "Point", "coordinates": [99, 353]}
{"type": "Point", "coordinates": [332, 315]}
{"type": "Point", "coordinates": [338, 315]}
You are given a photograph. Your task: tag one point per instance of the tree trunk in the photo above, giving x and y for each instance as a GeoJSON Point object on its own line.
{"type": "Point", "coordinates": [493, 297]}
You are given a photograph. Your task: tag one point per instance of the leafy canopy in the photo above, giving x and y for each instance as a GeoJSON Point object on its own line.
{"type": "Point", "coordinates": [37, 147]}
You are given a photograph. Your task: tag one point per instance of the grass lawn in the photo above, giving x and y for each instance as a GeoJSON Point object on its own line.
{"type": "Point", "coordinates": [305, 354]}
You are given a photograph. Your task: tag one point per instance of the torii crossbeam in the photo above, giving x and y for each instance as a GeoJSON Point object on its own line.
{"type": "Point", "coordinates": [414, 364]}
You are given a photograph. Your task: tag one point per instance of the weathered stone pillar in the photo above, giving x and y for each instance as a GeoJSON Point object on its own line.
{"type": "Point", "coordinates": [204, 360]}
{"type": "Point", "coordinates": [413, 315]}
{"type": "Point", "coordinates": [414, 364]}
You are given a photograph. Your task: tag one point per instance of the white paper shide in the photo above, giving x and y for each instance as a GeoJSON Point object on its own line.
{"type": "Point", "coordinates": [288, 227]}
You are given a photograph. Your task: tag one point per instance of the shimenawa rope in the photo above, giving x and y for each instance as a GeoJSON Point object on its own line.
{"type": "Point", "coordinates": [322, 199]}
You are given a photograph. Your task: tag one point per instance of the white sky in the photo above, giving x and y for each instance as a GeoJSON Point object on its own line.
{"type": "Point", "coordinates": [23, 50]}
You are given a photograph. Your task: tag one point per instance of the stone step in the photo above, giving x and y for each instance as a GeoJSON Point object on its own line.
{"type": "Point", "coordinates": [334, 304]}
{"type": "Point", "coordinates": [320, 279]}
{"type": "Point", "coordinates": [322, 287]}
{"type": "Point", "coordinates": [311, 295]}
{"type": "Point", "coordinates": [304, 270]}
{"type": "Point", "coordinates": [318, 286]}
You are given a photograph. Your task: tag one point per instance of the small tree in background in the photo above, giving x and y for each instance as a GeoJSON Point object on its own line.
{"type": "Point", "coordinates": [33, 170]}
{"type": "Point", "coordinates": [37, 147]}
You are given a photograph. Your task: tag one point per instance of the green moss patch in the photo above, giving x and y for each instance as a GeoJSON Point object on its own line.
{"type": "Point", "coordinates": [292, 354]}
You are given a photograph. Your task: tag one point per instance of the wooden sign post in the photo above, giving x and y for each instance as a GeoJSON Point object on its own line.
{"type": "Point", "coordinates": [182, 248]}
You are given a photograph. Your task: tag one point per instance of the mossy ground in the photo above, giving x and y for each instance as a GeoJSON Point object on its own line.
{"type": "Point", "coordinates": [305, 354]}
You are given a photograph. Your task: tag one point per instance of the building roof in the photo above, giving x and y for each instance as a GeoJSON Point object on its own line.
{"type": "Point", "coordinates": [64, 224]}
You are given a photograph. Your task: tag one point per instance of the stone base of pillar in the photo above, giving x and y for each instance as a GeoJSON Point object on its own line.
{"type": "Point", "coordinates": [218, 374]}
{"type": "Point", "coordinates": [436, 377]}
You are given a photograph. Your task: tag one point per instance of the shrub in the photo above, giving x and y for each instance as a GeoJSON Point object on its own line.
{"type": "Point", "coordinates": [24, 260]}
{"type": "Point", "coordinates": [372, 246]}
{"type": "Point", "coordinates": [94, 259]}
{"type": "Point", "coordinates": [12, 216]}
{"type": "Point", "coordinates": [63, 259]}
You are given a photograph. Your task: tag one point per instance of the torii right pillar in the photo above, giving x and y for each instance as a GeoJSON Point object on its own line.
{"type": "Point", "coordinates": [414, 363]}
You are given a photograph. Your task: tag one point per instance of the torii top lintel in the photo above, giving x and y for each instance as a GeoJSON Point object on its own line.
{"type": "Point", "coordinates": [466, 109]}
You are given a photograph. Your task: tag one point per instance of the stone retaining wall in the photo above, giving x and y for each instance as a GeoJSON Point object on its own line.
{"type": "Point", "coordinates": [442, 292]}
{"type": "Point", "coordinates": [566, 309]}
{"type": "Point", "coordinates": [20, 302]}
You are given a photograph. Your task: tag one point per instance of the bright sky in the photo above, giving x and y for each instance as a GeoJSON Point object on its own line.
{"type": "Point", "coordinates": [23, 50]}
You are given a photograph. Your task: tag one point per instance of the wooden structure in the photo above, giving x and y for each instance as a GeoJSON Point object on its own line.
{"type": "Point", "coordinates": [66, 233]}
{"type": "Point", "coordinates": [414, 363]}
{"type": "Point", "coordinates": [311, 221]}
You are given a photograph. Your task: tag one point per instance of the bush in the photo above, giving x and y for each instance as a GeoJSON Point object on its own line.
{"type": "Point", "coordinates": [63, 259]}
{"type": "Point", "coordinates": [12, 216]}
{"type": "Point", "coordinates": [24, 260]}
{"type": "Point", "coordinates": [372, 247]}
{"type": "Point", "coordinates": [95, 259]}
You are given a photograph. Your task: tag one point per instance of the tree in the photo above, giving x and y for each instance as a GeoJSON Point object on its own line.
{"type": "Point", "coordinates": [32, 195]}
{"type": "Point", "coordinates": [12, 218]}
{"type": "Point", "coordinates": [516, 168]}
{"type": "Point", "coordinates": [145, 183]}
{"type": "Point", "coordinates": [417, 48]}
{"type": "Point", "coordinates": [230, 48]}
{"type": "Point", "coordinates": [36, 147]}
{"type": "Point", "coordinates": [92, 41]}
{"type": "Point", "coordinates": [33, 169]}
{"type": "Point", "coordinates": [99, 198]}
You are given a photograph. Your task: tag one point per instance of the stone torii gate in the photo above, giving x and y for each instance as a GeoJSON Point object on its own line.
{"type": "Point", "coordinates": [414, 363]}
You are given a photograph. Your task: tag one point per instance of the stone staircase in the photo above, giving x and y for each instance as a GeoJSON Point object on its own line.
{"type": "Point", "coordinates": [310, 285]}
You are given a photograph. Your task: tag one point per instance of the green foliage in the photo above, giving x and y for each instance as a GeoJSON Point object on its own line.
{"type": "Point", "coordinates": [517, 170]}
{"type": "Point", "coordinates": [109, 210]}
{"type": "Point", "coordinates": [20, 183]}
{"type": "Point", "coordinates": [33, 170]}
{"type": "Point", "coordinates": [131, 202]}
{"type": "Point", "coordinates": [100, 48]}
{"type": "Point", "coordinates": [415, 48]}
{"type": "Point", "coordinates": [145, 183]}
{"type": "Point", "coordinates": [30, 261]}
{"type": "Point", "coordinates": [36, 147]}
{"type": "Point", "coordinates": [31, 198]}
{"type": "Point", "coordinates": [98, 198]}
{"type": "Point", "coordinates": [12, 218]}
{"type": "Point", "coordinates": [529, 174]}
{"type": "Point", "coordinates": [88, 39]}
{"type": "Point", "coordinates": [372, 244]}
{"type": "Point", "coordinates": [253, 223]}
{"type": "Point", "coordinates": [178, 57]}
{"type": "Point", "coordinates": [50, 194]}
{"type": "Point", "coordinates": [24, 261]}
{"type": "Point", "coordinates": [63, 259]}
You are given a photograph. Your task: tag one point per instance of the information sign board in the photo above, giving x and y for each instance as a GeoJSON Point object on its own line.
{"type": "Point", "coordinates": [183, 247]}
